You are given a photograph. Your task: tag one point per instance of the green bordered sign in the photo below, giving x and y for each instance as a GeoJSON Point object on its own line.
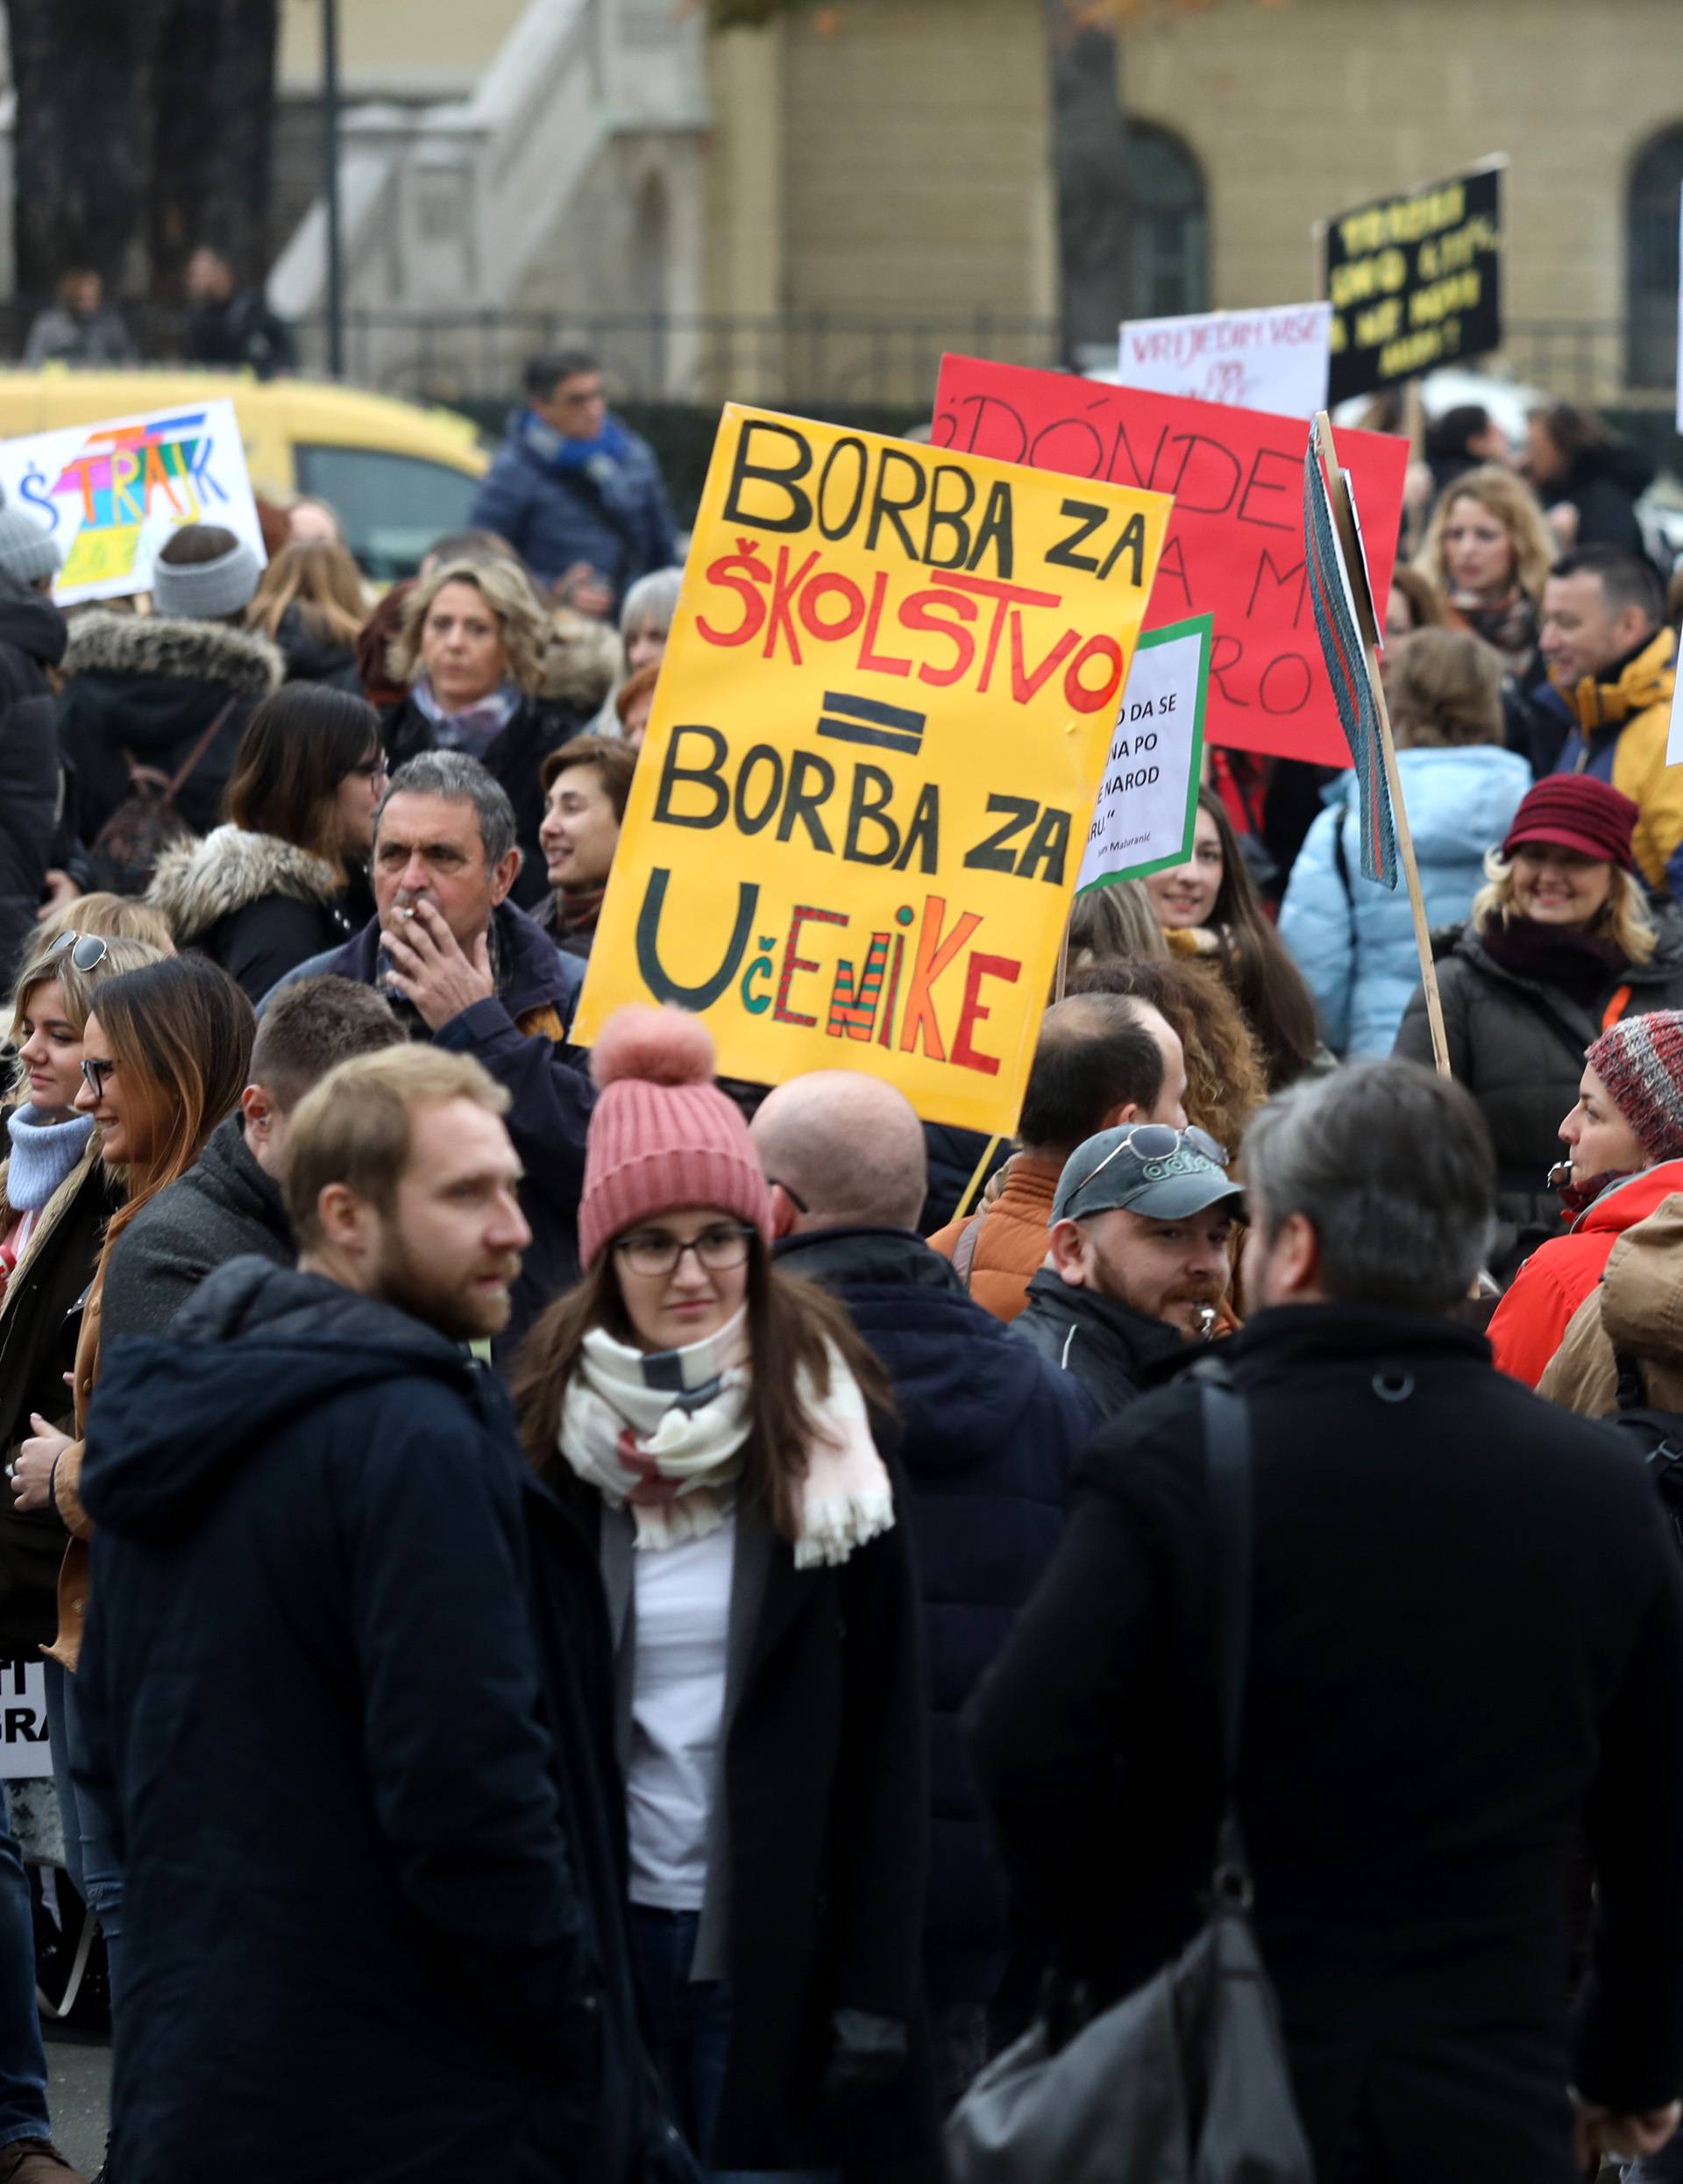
{"type": "Point", "coordinates": [1147, 803]}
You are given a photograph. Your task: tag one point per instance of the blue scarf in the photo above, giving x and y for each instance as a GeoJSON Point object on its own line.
{"type": "Point", "coordinates": [476, 727]}
{"type": "Point", "coordinates": [42, 1156]}
{"type": "Point", "coordinates": [600, 458]}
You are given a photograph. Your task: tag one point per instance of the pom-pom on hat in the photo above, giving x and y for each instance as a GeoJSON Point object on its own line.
{"type": "Point", "coordinates": [1640, 1061]}
{"type": "Point", "coordinates": [1575, 811]}
{"type": "Point", "coordinates": [663, 1136]}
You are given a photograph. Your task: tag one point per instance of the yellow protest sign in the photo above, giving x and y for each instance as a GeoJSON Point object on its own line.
{"type": "Point", "coordinates": [882, 719]}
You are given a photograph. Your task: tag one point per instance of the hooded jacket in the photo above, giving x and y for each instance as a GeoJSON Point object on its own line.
{"type": "Point", "coordinates": [1618, 733]}
{"type": "Point", "coordinates": [1011, 1240]}
{"type": "Point", "coordinates": [32, 638]}
{"type": "Point", "coordinates": [151, 686]}
{"type": "Point", "coordinates": [226, 1207]}
{"type": "Point", "coordinates": [1105, 1344]}
{"type": "Point", "coordinates": [519, 1034]}
{"type": "Point", "coordinates": [990, 1437]}
{"type": "Point", "coordinates": [1635, 1314]}
{"type": "Point", "coordinates": [254, 904]}
{"type": "Point", "coordinates": [555, 508]}
{"type": "Point", "coordinates": [1518, 1045]}
{"type": "Point", "coordinates": [345, 1686]}
{"type": "Point", "coordinates": [1353, 938]}
{"type": "Point", "coordinates": [1529, 1324]}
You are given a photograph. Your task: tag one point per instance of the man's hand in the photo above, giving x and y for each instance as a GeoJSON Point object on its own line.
{"type": "Point", "coordinates": [31, 1472]}
{"type": "Point", "coordinates": [1599, 2130]}
{"type": "Point", "coordinates": [60, 889]}
{"type": "Point", "coordinates": [581, 588]}
{"type": "Point", "coordinates": [433, 973]}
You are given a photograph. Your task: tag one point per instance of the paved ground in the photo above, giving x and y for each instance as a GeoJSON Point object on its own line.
{"type": "Point", "coordinates": [79, 2076]}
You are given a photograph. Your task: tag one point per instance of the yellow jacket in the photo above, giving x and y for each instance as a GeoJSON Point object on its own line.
{"type": "Point", "coordinates": [1638, 704]}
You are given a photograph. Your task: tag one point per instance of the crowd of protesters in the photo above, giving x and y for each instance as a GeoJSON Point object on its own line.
{"type": "Point", "coordinates": [608, 1623]}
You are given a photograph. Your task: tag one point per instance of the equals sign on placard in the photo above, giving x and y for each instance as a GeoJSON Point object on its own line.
{"type": "Point", "coordinates": [867, 720]}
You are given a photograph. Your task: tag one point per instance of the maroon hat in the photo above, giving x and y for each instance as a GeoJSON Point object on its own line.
{"type": "Point", "coordinates": [1576, 812]}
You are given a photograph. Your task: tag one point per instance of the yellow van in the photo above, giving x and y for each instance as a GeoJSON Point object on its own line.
{"type": "Point", "coordinates": [398, 474]}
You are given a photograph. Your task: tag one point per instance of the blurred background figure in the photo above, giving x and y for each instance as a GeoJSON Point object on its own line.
{"type": "Point", "coordinates": [230, 326]}
{"type": "Point", "coordinates": [80, 327]}
{"type": "Point", "coordinates": [1461, 439]}
{"type": "Point", "coordinates": [1589, 480]}
{"type": "Point", "coordinates": [310, 521]}
{"type": "Point", "coordinates": [310, 603]}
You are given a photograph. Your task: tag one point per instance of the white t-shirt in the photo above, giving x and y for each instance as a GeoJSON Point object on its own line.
{"type": "Point", "coordinates": [682, 1631]}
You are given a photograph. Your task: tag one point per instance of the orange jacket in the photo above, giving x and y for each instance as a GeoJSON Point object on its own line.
{"type": "Point", "coordinates": [1012, 1239]}
{"type": "Point", "coordinates": [1529, 1324]}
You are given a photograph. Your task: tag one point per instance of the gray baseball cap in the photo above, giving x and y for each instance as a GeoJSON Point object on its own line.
{"type": "Point", "coordinates": [1145, 1168]}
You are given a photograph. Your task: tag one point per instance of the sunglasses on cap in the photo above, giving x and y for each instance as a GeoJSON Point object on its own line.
{"type": "Point", "coordinates": [87, 950]}
{"type": "Point", "coordinates": [1155, 1141]}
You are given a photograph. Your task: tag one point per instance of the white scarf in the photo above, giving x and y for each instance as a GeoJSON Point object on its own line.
{"type": "Point", "coordinates": [666, 1433]}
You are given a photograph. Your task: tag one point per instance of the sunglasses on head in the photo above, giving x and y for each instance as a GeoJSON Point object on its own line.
{"type": "Point", "coordinates": [1156, 1141]}
{"type": "Point", "coordinates": [87, 950]}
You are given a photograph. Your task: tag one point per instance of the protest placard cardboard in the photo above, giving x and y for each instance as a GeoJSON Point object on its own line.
{"type": "Point", "coordinates": [26, 1753]}
{"type": "Point", "coordinates": [1272, 358]}
{"type": "Point", "coordinates": [884, 712]}
{"type": "Point", "coordinates": [1415, 281]}
{"type": "Point", "coordinates": [110, 495]}
{"type": "Point", "coordinates": [1235, 546]}
{"type": "Point", "coordinates": [1149, 801]}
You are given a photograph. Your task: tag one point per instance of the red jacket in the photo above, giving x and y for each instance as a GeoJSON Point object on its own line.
{"type": "Point", "coordinates": [1529, 1324]}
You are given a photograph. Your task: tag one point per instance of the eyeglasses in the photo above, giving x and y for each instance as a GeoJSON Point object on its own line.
{"type": "Point", "coordinates": [772, 1182]}
{"type": "Point", "coordinates": [1155, 1141]}
{"type": "Point", "coordinates": [93, 1074]}
{"type": "Point", "coordinates": [87, 950]}
{"type": "Point", "coordinates": [652, 1251]}
{"type": "Point", "coordinates": [373, 769]}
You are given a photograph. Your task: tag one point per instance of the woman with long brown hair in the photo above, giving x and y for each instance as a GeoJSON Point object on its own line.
{"type": "Point", "coordinates": [164, 1059]}
{"type": "Point", "coordinates": [1209, 907]}
{"type": "Point", "coordinates": [310, 602]}
{"type": "Point", "coordinates": [709, 1421]}
{"type": "Point", "coordinates": [284, 877]}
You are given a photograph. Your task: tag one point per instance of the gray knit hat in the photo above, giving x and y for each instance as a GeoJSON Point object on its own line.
{"type": "Point", "coordinates": [201, 591]}
{"type": "Point", "coordinates": [26, 551]}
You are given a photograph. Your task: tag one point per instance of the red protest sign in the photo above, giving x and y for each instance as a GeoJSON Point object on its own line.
{"type": "Point", "coordinates": [1235, 546]}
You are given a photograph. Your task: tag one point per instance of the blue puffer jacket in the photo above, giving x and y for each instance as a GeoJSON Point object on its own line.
{"type": "Point", "coordinates": [991, 1434]}
{"type": "Point", "coordinates": [1353, 939]}
{"type": "Point", "coordinates": [606, 507]}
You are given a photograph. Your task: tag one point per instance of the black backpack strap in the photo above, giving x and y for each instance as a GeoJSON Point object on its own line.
{"type": "Point", "coordinates": [1227, 1482]}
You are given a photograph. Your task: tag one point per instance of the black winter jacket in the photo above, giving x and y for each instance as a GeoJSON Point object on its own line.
{"type": "Point", "coordinates": [256, 905]}
{"type": "Point", "coordinates": [1518, 1045]}
{"type": "Point", "coordinates": [515, 758]}
{"type": "Point", "coordinates": [40, 1318]}
{"type": "Point", "coordinates": [346, 1683]}
{"type": "Point", "coordinates": [988, 1439]}
{"type": "Point", "coordinates": [224, 1207]}
{"type": "Point", "coordinates": [1465, 1647]}
{"type": "Point", "coordinates": [552, 1094]}
{"type": "Point", "coordinates": [150, 687]}
{"type": "Point", "coordinates": [311, 658]}
{"type": "Point", "coordinates": [32, 638]}
{"type": "Point", "coordinates": [1106, 1345]}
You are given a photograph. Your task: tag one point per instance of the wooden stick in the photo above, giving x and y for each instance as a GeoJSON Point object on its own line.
{"type": "Point", "coordinates": [1366, 613]}
{"type": "Point", "coordinates": [974, 1183]}
{"type": "Point", "coordinates": [1060, 978]}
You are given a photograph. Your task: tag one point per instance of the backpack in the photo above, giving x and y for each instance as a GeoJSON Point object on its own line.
{"type": "Point", "coordinates": [127, 848]}
{"type": "Point", "coordinates": [1659, 1435]}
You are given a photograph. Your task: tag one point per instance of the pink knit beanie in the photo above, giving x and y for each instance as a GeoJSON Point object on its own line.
{"type": "Point", "coordinates": [1640, 1061]}
{"type": "Point", "coordinates": [663, 1136]}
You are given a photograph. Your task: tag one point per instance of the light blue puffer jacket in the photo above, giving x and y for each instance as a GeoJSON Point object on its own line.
{"type": "Point", "coordinates": [1354, 945]}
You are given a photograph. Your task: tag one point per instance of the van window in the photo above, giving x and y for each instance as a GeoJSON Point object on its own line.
{"type": "Point", "coordinates": [392, 507]}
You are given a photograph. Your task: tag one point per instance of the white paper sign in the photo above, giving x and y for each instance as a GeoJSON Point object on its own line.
{"type": "Point", "coordinates": [1147, 804]}
{"type": "Point", "coordinates": [110, 495]}
{"type": "Point", "coordinates": [24, 1748]}
{"type": "Point", "coordinates": [1274, 358]}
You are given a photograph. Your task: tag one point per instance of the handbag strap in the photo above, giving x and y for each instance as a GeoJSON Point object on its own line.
{"type": "Point", "coordinates": [1228, 1481]}
{"type": "Point", "coordinates": [183, 773]}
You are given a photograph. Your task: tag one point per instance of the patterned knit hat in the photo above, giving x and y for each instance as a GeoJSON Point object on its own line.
{"type": "Point", "coordinates": [663, 1136]}
{"type": "Point", "coordinates": [1640, 1061]}
{"type": "Point", "coordinates": [1577, 812]}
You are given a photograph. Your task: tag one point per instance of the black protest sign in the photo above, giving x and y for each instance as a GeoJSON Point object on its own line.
{"type": "Point", "coordinates": [1415, 281]}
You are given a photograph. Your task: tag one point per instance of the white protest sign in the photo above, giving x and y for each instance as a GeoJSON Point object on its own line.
{"type": "Point", "coordinates": [24, 1748]}
{"type": "Point", "coordinates": [111, 494]}
{"type": "Point", "coordinates": [1274, 358]}
{"type": "Point", "coordinates": [1147, 805]}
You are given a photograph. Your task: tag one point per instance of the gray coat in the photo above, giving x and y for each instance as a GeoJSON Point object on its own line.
{"type": "Point", "coordinates": [224, 1207]}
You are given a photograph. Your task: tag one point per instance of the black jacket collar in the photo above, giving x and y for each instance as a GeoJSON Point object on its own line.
{"type": "Point", "coordinates": [1280, 1342]}
{"type": "Point", "coordinates": [1106, 1319]}
{"type": "Point", "coordinates": [839, 1256]}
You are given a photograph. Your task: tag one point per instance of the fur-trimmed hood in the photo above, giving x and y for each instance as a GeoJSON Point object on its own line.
{"type": "Point", "coordinates": [197, 884]}
{"type": "Point", "coordinates": [156, 646]}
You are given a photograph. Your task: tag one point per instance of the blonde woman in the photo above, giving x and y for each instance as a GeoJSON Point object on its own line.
{"type": "Point", "coordinates": [310, 602]}
{"type": "Point", "coordinates": [1559, 946]}
{"type": "Point", "coordinates": [470, 651]}
{"type": "Point", "coordinates": [1488, 549]}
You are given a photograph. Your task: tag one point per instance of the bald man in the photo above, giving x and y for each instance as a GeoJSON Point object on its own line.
{"type": "Point", "coordinates": [991, 1434]}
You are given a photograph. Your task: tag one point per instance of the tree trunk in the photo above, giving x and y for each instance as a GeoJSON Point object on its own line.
{"type": "Point", "coordinates": [1090, 168]}
{"type": "Point", "coordinates": [213, 152]}
{"type": "Point", "coordinates": [81, 142]}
